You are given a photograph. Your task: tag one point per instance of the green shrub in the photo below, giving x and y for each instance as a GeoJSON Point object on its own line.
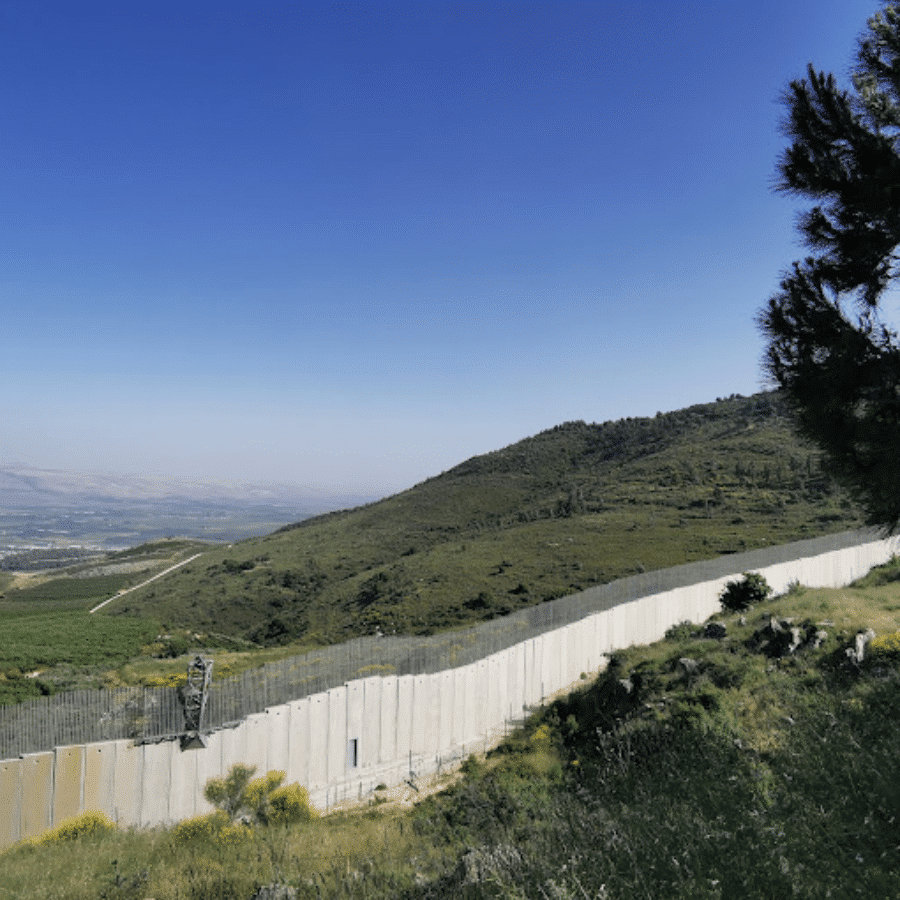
{"type": "Point", "coordinates": [214, 828]}
{"type": "Point", "coordinates": [885, 648]}
{"type": "Point", "coordinates": [683, 631]}
{"type": "Point", "coordinates": [290, 805]}
{"type": "Point", "coordinates": [88, 824]}
{"type": "Point", "coordinates": [200, 828]}
{"type": "Point", "coordinates": [740, 595]}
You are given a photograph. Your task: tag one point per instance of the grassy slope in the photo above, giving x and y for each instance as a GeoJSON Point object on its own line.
{"type": "Point", "coordinates": [755, 778]}
{"type": "Point", "coordinates": [47, 628]}
{"type": "Point", "coordinates": [573, 506]}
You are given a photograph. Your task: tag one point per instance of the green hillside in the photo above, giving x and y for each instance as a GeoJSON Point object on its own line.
{"type": "Point", "coordinates": [573, 506]}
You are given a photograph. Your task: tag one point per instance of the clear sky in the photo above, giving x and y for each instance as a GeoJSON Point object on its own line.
{"type": "Point", "coordinates": [353, 244]}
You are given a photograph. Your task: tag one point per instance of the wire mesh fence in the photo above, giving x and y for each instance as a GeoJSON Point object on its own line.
{"type": "Point", "coordinates": [148, 713]}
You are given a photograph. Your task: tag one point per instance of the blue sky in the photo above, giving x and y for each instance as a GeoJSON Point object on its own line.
{"type": "Point", "coordinates": [353, 244]}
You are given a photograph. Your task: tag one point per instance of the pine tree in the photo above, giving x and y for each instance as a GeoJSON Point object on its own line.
{"type": "Point", "coordinates": [836, 361]}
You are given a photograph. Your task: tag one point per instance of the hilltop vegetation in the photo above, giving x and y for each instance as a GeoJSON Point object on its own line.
{"type": "Point", "coordinates": [573, 506]}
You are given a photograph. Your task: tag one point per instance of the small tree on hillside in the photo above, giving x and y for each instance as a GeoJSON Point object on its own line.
{"type": "Point", "coordinates": [740, 595]}
{"type": "Point", "coordinates": [239, 797]}
{"type": "Point", "coordinates": [260, 801]}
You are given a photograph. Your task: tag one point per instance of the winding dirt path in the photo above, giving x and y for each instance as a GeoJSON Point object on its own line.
{"type": "Point", "coordinates": [121, 593]}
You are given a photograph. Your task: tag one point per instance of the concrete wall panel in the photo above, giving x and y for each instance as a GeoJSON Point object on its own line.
{"type": "Point", "coordinates": [466, 696]}
{"type": "Point", "coordinates": [421, 701]}
{"type": "Point", "coordinates": [10, 801]}
{"type": "Point", "coordinates": [447, 681]}
{"type": "Point", "coordinates": [498, 679]}
{"type": "Point", "coordinates": [551, 679]}
{"type": "Point", "coordinates": [318, 741]}
{"type": "Point", "coordinates": [183, 782]}
{"type": "Point", "coordinates": [824, 569]}
{"type": "Point", "coordinates": [615, 618]}
{"type": "Point", "coordinates": [297, 764]}
{"type": "Point", "coordinates": [594, 656]}
{"type": "Point", "coordinates": [515, 680]}
{"type": "Point", "coordinates": [355, 728]}
{"type": "Point", "coordinates": [387, 748]}
{"type": "Point", "coordinates": [68, 781]}
{"type": "Point", "coordinates": [370, 729]}
{"type": "Point", "coordinates": [156, 782]}
{"type": "Point", "coordinates": [603, 633]}
{"type": "Point", "coordinates": [128, 781]}
{"type": "Point", "coordinates": [624, 619]}
{"type": "Point", "coordinates": [37, 793]}
{"type": "Point", "coordinates": [492, 706]}
{"type": "Point", "coordinates": [278, 746]}
{"type": "Point", "coordinates": [207, 764]}
{"type": "Point", "coordinates": [663, 612]}
{"type": "Point", "coordinates": [234, 746]}
{"type": "Point", "coordinates": [587, 648]}
{"type": "Point", "coordinates": [780, 576]}
{"type": "Point", "coordinates": [99, 775]}
{"type": "Point", "coordinates": [435, 711]}
{"type": "Point", "coordinates": [709, 602]}
{"type": "Point", "coordinates": [576, 655]}
{"type": "Point", "coordinates": [404, 717]}
{"type": "Point", "coordinates": [258, 731]}
{"type": "Point", "coordinates": [678, 607]}
{"type": "Point", "coordinates": [657, 616]}
{"type": "Point", "coordinates": [479, 699]}
{"type": "Point", "coordinates": [337, 734]}
{"type": "Point", "coordinates": [639, 627]}
{"type": "Point", "coordinates": [534, 653]}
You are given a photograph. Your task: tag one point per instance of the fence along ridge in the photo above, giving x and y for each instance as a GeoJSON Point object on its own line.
{"type": "Point", "coordinates": [148, 713]}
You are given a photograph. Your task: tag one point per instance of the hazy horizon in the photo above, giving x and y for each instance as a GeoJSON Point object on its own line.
{"type": "Point", "coordinates": [353, 245]}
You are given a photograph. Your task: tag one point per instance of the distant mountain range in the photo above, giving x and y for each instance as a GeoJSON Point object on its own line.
{"type": "Point", "coordinates": [24, 486]}
{"type": "Point", "coordinates": [55, 508]}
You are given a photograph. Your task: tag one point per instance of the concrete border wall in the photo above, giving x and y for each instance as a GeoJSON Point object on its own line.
{"type": "Point", "coordinates": [341, 743]}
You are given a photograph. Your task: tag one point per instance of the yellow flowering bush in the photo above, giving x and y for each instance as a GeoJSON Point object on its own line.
{"type": "Point", "coordinates": [88, 824]}
{"type": "Point", "coordinates": [290, 804]}
{"type": "Point", "coordinates": [256, 797]}
{"type": "Point", "coordinates": [541, 737]}
{"type": "Point", "coordinates": [262, 801]}
{"type": "Point", "coordinates": [174, 680]}
{"type": "Point", "coordinates": [214, 827]}
{"type": "Point", "coordinates": [885, 648]}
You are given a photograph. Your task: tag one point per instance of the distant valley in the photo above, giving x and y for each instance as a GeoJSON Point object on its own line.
{"type": "Point", "coordinates": [41, 508]}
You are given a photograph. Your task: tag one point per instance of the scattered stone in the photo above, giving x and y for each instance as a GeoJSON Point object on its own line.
{"type": "Point", "coordinates": [626, 684]}
{"type": "Point", "coordinates": [857, 652]}
{"type": "Point", "coordinates": [796, 637]}
{"type": "Point", "coordinates": [715, 630]}
{"type": "Point", "coordinates": [780, 637]}
{"type": "Point", "coordinates": [819, 638]}
{"type": "Point", "coordinates": [275, 892]}
{"type": "Point", "coordinates": [481, 863]}
{"type": "Point", "coordinates": [689, 665]}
